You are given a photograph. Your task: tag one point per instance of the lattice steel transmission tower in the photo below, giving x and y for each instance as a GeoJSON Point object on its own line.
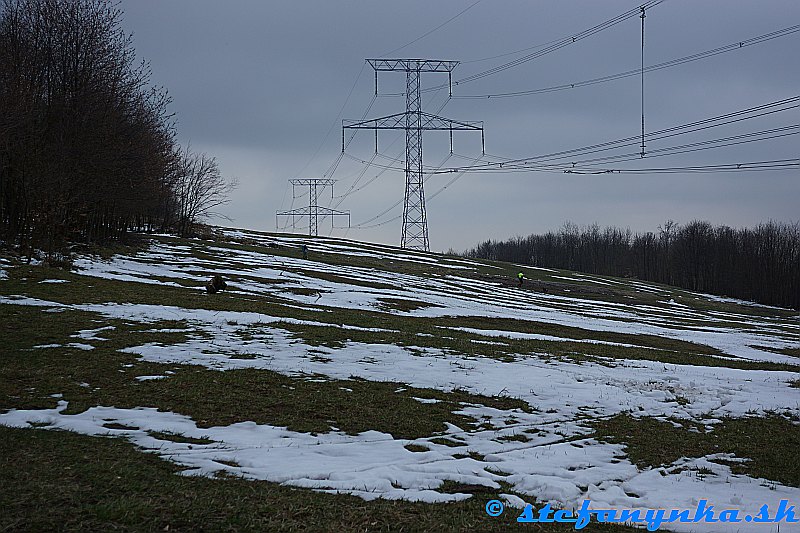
{"type": "Point", "coordinates": [313, 210]}
{"type": "Point", "coordinates": [414, 121]}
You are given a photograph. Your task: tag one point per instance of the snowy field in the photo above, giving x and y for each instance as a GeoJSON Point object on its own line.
{"type": "Point", "coordinates": [544, 453]}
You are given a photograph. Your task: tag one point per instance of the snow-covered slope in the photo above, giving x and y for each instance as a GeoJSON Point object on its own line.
{"type": "Point", "coordinates": [556, 460]}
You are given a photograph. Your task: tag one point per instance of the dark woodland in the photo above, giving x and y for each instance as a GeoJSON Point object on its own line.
{"type": "Point", "coordinates": [761, 264]}
{"type": "Point", "coordinates": [88, 146]}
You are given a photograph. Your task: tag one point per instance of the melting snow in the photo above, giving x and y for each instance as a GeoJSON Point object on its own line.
{"type": "Point", "coordinates": [558, 463]}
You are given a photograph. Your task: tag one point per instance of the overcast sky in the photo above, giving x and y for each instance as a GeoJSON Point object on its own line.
{"type": "Point", "coordinates": [260, 85]}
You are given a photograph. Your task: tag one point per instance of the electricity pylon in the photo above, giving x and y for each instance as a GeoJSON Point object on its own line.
{"type": "Point", "coordinates": [313, 210]}
{"type": "Point", "coordinates": [414, 121]}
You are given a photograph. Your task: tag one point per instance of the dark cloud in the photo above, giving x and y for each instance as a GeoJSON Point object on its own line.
{"type": "Point", "coordinates": [259, 84]}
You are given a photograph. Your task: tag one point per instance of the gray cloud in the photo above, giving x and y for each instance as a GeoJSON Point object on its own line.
{"type": "Point", "coordinates": [258, 84]}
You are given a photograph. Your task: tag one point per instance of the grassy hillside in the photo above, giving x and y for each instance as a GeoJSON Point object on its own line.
{"type": "Point", "coordinates": [373, 388]}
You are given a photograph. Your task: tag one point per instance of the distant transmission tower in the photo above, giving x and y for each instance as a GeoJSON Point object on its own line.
{"type": "Point", "coordinates": [414, 121]}
{"type": "Point", "coordinates": [313, 210]}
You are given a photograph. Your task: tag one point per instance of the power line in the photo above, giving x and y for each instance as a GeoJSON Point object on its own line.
{"type": "Point", "coordinates": [390, 208]}
{"type": "Point", "coordinates": [431, 197]}
{"type": "Point", "coordinates": [414, 122]}
{"type": "Point", "coordinates": [335, 122]}
{"type": "Point", "coordinates": [716, 121]}
{"type": "Point", "coordinates": [561, 44]}
{"type": "Point", "coordinates": [313, 210]}
{"type": "Point", "coordinates": [671, 150]}
{"type": "Point", "coordinates": [452, 181]}
{"type": "Point", "coordinates": [662, 152]}
{"type": "Point", "coordinates": [358, 178]}
{"type": "Point", "coordinates": [552, 163]}
{"type": "Point", "coordinates": [327, 134]}
{"type": "Point", "coordinates": [364, 162]}
{"type": "Point", "coordinates": [370, 163]}
{"type": "Point", "coordinates": [288, 220]}
{"type": "Point", "coordinates": [708, 144]}
{"type": "Point", "coordinates": [555, 162]}
{"type": "Point", "coordinates": [738, 45]}
{"type": "Point", "coordinates": [558, 44]}
{"type": "Point", "coordinates": [515, 52]}
{"type": "Point", "coordinates": [440, 26]}
{"type": "Point", "coordinates": [635, 156]}
{"type": "Point", "coordinates": [756, 166]}
{"type": "Point", "coordinates": [642, 16]}
{"type": "Point", "coordinates": [335, 165]}
{"type": "Point", "coordinates": [367, 164]}
{"type": "Point", "coordinates": [354, 190]}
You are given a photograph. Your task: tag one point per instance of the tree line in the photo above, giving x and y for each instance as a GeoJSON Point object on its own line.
{"type": "Point", "coordinates": [88, 147]}
{"type": "Point", "coordinates": [761, 264]}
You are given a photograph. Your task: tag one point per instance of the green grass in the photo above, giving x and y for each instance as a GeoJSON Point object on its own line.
{"type": "Point", "coordinates": [402, 305]}
{"type": "Point", "coordinates": [794, 352]}
{"type": "Point", "coordinates": [621, 291]}
{"type": "Point", "coordinates": [454, 487]}
{"type": "Point", "coordinates": [68, 481]}
{"type": "Point", "coordinates": [471, 455]}
{"type": "Point", "coordinates": [519, 437]}
{"type": "Point", "coordinates": [131, 244]}
{"type": "Point", "coordinates": [770, 443]}
{"type": "Point", "coordinates": [461, 343]}
{"type": "Point", "coordinates": [178, 437]}
{"type": "Point", "coordinates": [64, 481]}
{"type": "Point", "coordinates": [702, 304]}
{"type": "Point", "coordinates": [572, 332]}
{"type": "Point", "coordinates": [335, 259]}
{"type": "Point", "coordinates": [24, 280]}
{"type": "Point", "coordinates": [444, 441]}
{"type": "Point", "coordinates": [106, 376]}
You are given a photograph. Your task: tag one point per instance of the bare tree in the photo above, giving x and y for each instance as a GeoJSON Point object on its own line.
{"type": "Point", "coordinates": [200, 188]}
{"type": "Point", "coordinates": [761, 263]}
{"type": "Point", "coordinates": [87, 145]}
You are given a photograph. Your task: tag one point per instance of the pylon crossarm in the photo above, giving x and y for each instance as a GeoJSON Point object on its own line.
{"type": "Point", "coordinates": [389, 122]}
{"type": "Point", "coordinates": [313, 210]}
{"type": "Point", "coordinates": [435, 122]}
{"type": "Point", "coordinates": [414, 121]}
{"type": "Point", "coordinates": [331, 212]}
{"type": "Point", "coordinates": [398, 122]}
{"type": "Point", "coordinates": [318, 181]}
{"type": "Point", "coordinates": [421, 65]}
{"type": "Point", "coordinates": [300, 211]}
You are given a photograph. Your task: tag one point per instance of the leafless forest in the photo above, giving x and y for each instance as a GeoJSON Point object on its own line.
{"type": "Point", "coordinates": [760, 264]}
{"type": "Point", "coordinates": [88, 146]}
